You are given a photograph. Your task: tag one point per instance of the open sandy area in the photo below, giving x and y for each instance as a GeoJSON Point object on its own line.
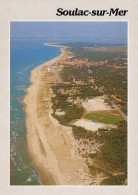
{"type": "Point", "coordinates": [89, 125]}
{"type": "Point", "coordinates": [51, 146]}
{"type": "Point", "coordinates": [59, 113]}
{"type": "Point", "coordinates": [96, 104]}
{"type": "Point", "coordinates": [92, 126]}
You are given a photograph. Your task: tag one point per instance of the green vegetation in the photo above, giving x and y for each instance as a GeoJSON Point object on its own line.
{"type": "Point", "coordinates": [114, 180]}
{"type": "Point", "coordinates": [79, 50]}
{"type": "Point", "coordinates": [68, 73]}
{"type": "Point", "coordinates": [96, 170]}
{"type": "Point", "coordinates": [112, 156]}
{"type": "Point", "coordinates": [103, 118]}
{"type": "Point", "coordinates": [113, 152]}
{"type": "Point", "coordinates": [96, 55]}
{"type": "Point", "coordinates": [108, 102]}
{"type": "Point", "coordinates": [76, 90]}
{"type": "Point", "coordinates": [93, 155]}
{"type": "Point", "coordinates": [80, 132]}
{"type": "Point", "coordinates": [114, 82]}
{"type": "Point", "coordinates": [109, 76]}
{"type": "Point", "coordinates": [60, 101]}
{"type": "Point", "coordinates": [114, 148]}
{"type": "Point", "coordinates": [71, 113]}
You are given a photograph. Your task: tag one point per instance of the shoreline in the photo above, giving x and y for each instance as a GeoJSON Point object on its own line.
{"type": "Point", "coordinates": [51, 145]}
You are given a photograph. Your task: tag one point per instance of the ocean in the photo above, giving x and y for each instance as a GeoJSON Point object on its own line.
{"type": "Point", "coordinates": [25, 55]}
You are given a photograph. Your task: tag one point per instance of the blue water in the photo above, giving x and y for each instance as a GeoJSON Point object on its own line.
{"type": "Point", "coordinates": [25, 55]}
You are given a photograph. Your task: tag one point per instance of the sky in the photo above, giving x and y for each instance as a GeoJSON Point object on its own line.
{"type": "Point", "coordinates": [68, 30]}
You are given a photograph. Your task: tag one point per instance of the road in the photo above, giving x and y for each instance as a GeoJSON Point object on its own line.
{"type": "Point", "coordinates": [56, 74]}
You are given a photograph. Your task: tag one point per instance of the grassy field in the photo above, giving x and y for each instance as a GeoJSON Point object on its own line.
{"type": "Point", "coordinates": [103, 118]}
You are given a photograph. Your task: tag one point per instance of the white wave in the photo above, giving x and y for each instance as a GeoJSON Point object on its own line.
{"type": "Point", "coordinates": [23, 165]}
{"type": "Point", "coordinates": [14, 161]}
{"type": "Point", "coordinates": [14, 109]}
{"type": "Point", "coordinates": [25, 69]}
{"type": "Point", "coordinates": [13, 136]}
{"type": "Point", "coordinates": [12, 148]}
{"type": "Point", "coordinates": [34, 175]}
{"type": "Point", "coordinates": [21, 87]}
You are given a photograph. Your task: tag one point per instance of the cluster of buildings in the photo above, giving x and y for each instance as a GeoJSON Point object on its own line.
{"type": "Point", "coordinates": [84, 61]}
{"type": "Point", "coordinates": [86, 147]}
{"type": "Point", "coordinates": [115, 66]}
{"type": "Point", "coordinates": [75, 101]}
{"type": "Point", "coordinates": [72, 91]}
{"type": "Point", "coordinates": [74, 62]}
{"type": "Point", "coordinates": [80, 62]}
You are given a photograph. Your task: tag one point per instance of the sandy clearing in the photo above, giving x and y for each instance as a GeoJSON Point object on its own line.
{"type": "Point", "coordinates": [96, 104]}
{"type": "Point", "coordinates": [93, 126]}
{"type": "Point", "coordinates": [60, 113]}
{"type": "Point", "coordinates": [89, 125]}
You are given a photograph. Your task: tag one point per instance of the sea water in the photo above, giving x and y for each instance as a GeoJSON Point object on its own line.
{"type": "Point", "coordinates": [25, 55]}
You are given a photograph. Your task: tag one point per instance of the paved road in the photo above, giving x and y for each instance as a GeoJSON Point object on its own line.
{"type": "Point", "coordinates": [56, 74]}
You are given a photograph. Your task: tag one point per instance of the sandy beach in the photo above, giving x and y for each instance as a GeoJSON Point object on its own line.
{"type": "Point", "coordinates": [51, 146]}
